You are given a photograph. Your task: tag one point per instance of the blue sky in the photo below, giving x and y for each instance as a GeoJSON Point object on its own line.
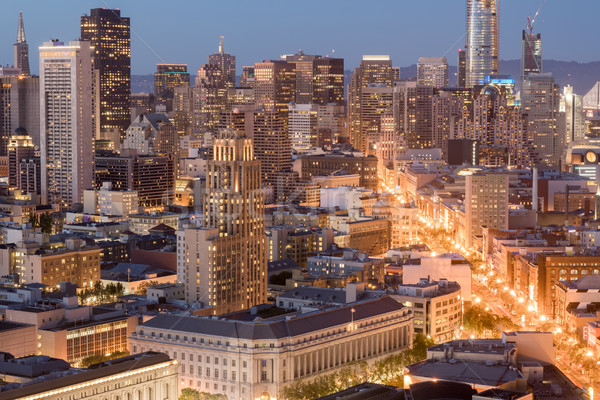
{"type": "Point", "coordinates": [187, 31]}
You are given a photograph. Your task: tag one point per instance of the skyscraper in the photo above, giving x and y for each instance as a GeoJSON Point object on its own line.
{"type": "Point", "coordinates": [209, 98]}
{"type": "Point", "coordinates": [19, 108]}
{"type": "Point", "coordinates": [303, 128]}
{"type": "Point", "coordinates": [531, 54]}
{"type": "Point", "coordinates": [223, 263]}
{"type": "Point", "coordinates": [66, 126]}
{"type": "Point", "coordinates": [482, 40]}
{"type": "Point", "coordinates": [275, 85]}
{"type": "Point", "coordinates": [21, 49]}
{"type": "Point", "coordinates": [319, 80]}
{"type": "Point", "coordinates": [572, 117]}
{"type": "Point", "coordinates": [432, 71]}
{"type": "Point", "coordinates": [486, 203]}
{"type": "Point", "coordinates": [226, 62]}
{"type": "Point", "coordinates": [373, 70]}
{"type": "Point", "coordinates": [109, 36]}
{"type": "Point", "coordinates": [462, 68]}
{"type": "Point", "coordinates": [166, 78]}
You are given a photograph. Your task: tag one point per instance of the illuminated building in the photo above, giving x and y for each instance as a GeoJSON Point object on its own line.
{"type": "Point", "coordinates": [248, 358]}
{"type": "Point", "coordinates": [389, 140]}
{"type": "Point", "coordinates": [166, 78]}
{"type": "Point", "coordinates": [540, 101]}
{"type": "Point", "coordinates": [225, 62]}
{"type": "Point", "coordinates": [209, 99]}
{"type": "Point", "coordinates": [447, 111]}
{"type": "Point", "coordinates": [110, 202]}
{"type": "Point", "coordinates": [462, 68]}
{"type": "Point", "coordinates": [375, 101]}
{"type": "Point", "coordinates": [432, 71]}
{"type": "Point", "coordinates": [19, 108]}
{"type": "Point", "coordinates": [482, 40]}
{"type": "Point", "coordinates": [404, 108]}
{"type": "Point", "coordinates": [275, 86]}
{"type": "Point", "coordinates": [183, 106]}
{"type": "Point", "coordinates": [21, 49]}
{"type": "Point", "coordinates": [531, 54]}
{"type": "Point", "coordinates": [148, 375]}
{"type": "Point", "coordinates": [66, 129]}
{"type": "Point", "coordinates": [247, 78]}
{"type": "Point", "coordinates": [151, 134]}
{"type": "Point", "coordinates": [373, 70]}
{"type": "Point", "coordinates": [223, 263]}
{"type": "Point", "coordinates": [347, 262]}
{"type": "Point", "coordinates": [321, 165]}
{"type": "Point", "coordinates": [109, 37]}
{"type": "Point", "coordinates": [486, 203]}
{"type": "Point", "coordinates": [437, 307]}
{"type": "Point", "coordinates": [319, 80]}
{"type": "Point", "coordinates": [153, 176]}
{"type": "Point", "coordinates": [302, 126]}
{"type": "Point", "coordinates": [297, 242]}
{"type": "Point", "coordinates": [19, 147]}
{"type": "Point", "coordinates": [572, 118]}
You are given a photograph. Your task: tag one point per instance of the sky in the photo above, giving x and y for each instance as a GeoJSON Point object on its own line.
{"type": "Point", "coordinates": [187, 31]}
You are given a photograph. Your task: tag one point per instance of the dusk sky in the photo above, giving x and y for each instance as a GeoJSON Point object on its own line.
{"type": "Point", "coordinates": [187, 31]}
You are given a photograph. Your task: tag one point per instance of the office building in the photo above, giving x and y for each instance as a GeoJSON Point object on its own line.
{"type": "Point", "coordinates": [19, 108]}
{"type": "Point", "coordinates": [110, 202]}
{"type": "Point", "coordinates": [373, 70]}
{"type": "Point", "coordinates": [319, 80]}
{"type": "Point", "coordinates": [447, 111]}
{"type": "Point", "coordinates": [486, 203]}
{"type": "Point", "coordinates": [166, 78]}
{"type": "Point", "coordinates": [246, 357]}
{"type": "Point", "coordinates": [109, 36]}
{"type": "Point", "coordinates": [66, 128]}
{"type": "Point", "coordinates": [152, 177]}
{"type": "Point", "coordinates": [450, 266]}
{"type": "Point", "coordinates": [223, 263]}
{"type": "Point", "coordinates": [540, 101]}
{"type": "Point", "coordinates": [326, 164]}
{"type": "Point", "coordinates": [275, 86]}
{"type": "Point", "coordinates": [461, 74]}
{"type": "Point", "coordinates": [376, 100]}
{"type": "Point", "coordinates": [149, 375]}
{"type": "Point", "coordinates": [303, 127]}
{"type": "Point", "coordinates": [572, 116]}
{"type": "Point", "coordinates": [482, 41]}
{"type": "Point", "coordinates": [247, 78]}
{"type": "Point", "coordinates": [152, 134]}
{"type": "Point", "coordinates": [21, 49]}
{"type": "Point", "coordinates": [272, 145]}
{"type": "Point", "coordinates": [404, 108]}
{"type": "Point", "coordinates": [531, 54]}
{"type": "Point", "coordinates": [209, 99]}
{"type": "Point", "coordinates": [183, 107]}
{"type": "Point", "coordinates": [30, 175]}
{"type": "Point", "coordinates": [20, 147]}
{"type": "Point", "coordinates": [432, 71]}
{"type": "Point", "coordinates": [225, 62]}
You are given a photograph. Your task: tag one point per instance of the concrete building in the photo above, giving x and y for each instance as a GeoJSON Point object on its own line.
{"type": "Point", "coordinates": [297, 242]}
{"type": "Point", "coordinates": [21, 49]}
{"type": "Point", "coordinates": [225, 62]}
{"type": "Point", "coordinates": [151, 134]}
{"type": "Point", "coordinates": [166, 78]}
{"type": "Point", "coordinates": [140, 224]}
{"type": "Point", "coordinates": [20, 146]}
{"type": "Point", "coordinates": [345, 262]}
{"type": "Point", "coordinates": [302, 127]}
{"type": "Point", "coordinates": [319, 80]}
{"type": "Point", "coordinates": [209, 99]}
{"type": "Point", "coordinates": [326, 164]}
{"type": "Point", "coordinates": [246, 358]}
{"type": "Point", "coordinates": [437, 307]}
{"type": "Point", "coordinates": [275, 86]}
{"type": "Point", "coordinates": [486, 203]}
{"type": "Point", "coordinates": [432, 71]}
{"type": "Point", "coordinates": [66, 130]}
{"type": "Point", "coordinates": [20, 108]}
{"type": "Point", "coordinates": [451, 266]}
{"type": "Point", "coordinates": [110, 202]}
{"type": "Point", "coordinates": [223, 263]}
{"type": "Point", "coordinates": [574, 298]}
{"type": "Point", "coordinates": [148, 375]}
{"type": "Point", "coordinates": [18, 339]}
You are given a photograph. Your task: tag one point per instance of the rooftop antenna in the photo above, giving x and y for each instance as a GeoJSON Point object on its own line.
{"type": "Point", "coordinates": [221, 47]}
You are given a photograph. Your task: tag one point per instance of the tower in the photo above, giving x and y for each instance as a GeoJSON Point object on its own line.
{"type": "Point", "coordinates": [166, 78]}
{"type": "Point", "coordinates": [432, 71]}
{"type": "Point", "coordinates": [21, 48]}
{"type": "Point", "coordinates": [531, 54]}
{"type": "Point", "coordinates": [226, 62]}
{"type": "Point", "coordinates": [109, 36]}
{"type": "Point", "coordinates": [482, 40]}
{"type": "Point", "coordinates": [462, 68]}
{"type": "Point", "coordinates": [66, 126]}
{"type": "Point", "coordinates": [223, 263]}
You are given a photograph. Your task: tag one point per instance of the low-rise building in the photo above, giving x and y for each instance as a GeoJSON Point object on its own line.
{"type": "Point", "coordinates": [140, 224]}
{"type": "Point", "coordinates": [147, 375]}
{"type": "Point", "coordinates": [106, 201]}
{"type": "Point", "coordinates": [576, 295]}
{"type": "Point", "coordinates": [347, 262]}
{"type": "Point", "coordinates": [450, 266]}
{"type": "Point", "coordinates": [17, 339]}
{"type": "Point", "coordinates": [245, 357]}
{"type": "Point", "coordinates": [436, 306]}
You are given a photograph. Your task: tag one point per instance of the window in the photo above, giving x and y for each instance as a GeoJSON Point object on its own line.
{"type": "Point", "coordinates": [244, 377]}
{"type": "Point", "coordinates": [208, 372]}
{"type": "Point", "coordinates": [233, 375]}
{"type": "Point", "coordinates": [244, 364]}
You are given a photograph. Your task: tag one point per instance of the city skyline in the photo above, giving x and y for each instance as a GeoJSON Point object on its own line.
{"type": "Point", "coordinates": [380, 33]}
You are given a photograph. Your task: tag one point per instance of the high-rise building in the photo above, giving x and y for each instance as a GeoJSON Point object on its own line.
{"type": "Point", "coordinates": [540, 101]}
{"type": "Point", "coordinates": [272, 145]}
{"type": "Point", "coordinates": [20, 147]}
{"type": "Point", "coordinates": [482, 40]}
{"type": "Point", "coordinates": [166, 78]}
{"type": "Point", "coordinates": [447, 111]}
{"type": "Point", "coordinates": [183, 106]}
{"type": "Point", "coordinates": [303, 126]}
{"type": "Point", "coordinates": [275, 85]}
{"type": "Point", "coordinates": [404, 108]}
{"type": "Point", "coordinates": [19, 108]}
{"type": "Point", "coordinates": [461, 74]}
{"type": "Point", "coordinates": [223, 264]}
{"type": "Point", "coordinates": [209, 99]}
{"type": "Point", "coordinates": [375, 100]}
{"type": "Point", "coordinates": [572, 118]}
{"type": "Point", "coordinates": [373, 70]}
{"type": "Point", "coordinates": [486, 203]}
{"type": "Point", "coordinates": [66, 128]}
{"type": "Point", "coordinates": [21, 48]}
{"type": "Point", "coordinates": [531, 54]}
{"type": "Point", "coordinates": [151, 134]}
{"type": "Point", "coordinates": [247, 78]}
{"type": "Point", "coordinates": [319, 80]}
{"type": "Point", "coordinates": [109, 36]}
{"type": "Point", "coordinates": [432, 71]}
{"type": "Point", "coordinates": [226, 62]}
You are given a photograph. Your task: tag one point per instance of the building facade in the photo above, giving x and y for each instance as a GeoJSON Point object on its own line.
{"type": "Point", "coordinates": [482, 40]}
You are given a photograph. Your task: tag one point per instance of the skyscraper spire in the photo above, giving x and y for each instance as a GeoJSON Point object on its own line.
{"type": "Point", "coordinates": [21, 31]}
{"type": "Point", "coordinates": [21, 48]}
{"type": "Point", "coordinates": [221, 48]}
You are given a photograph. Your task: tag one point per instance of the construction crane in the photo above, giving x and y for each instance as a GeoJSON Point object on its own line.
{"type": "Point", "coordinates": [529, 37]}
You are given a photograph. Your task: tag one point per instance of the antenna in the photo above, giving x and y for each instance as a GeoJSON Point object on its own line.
{"type": "Point", "coordinates": [221, 47]}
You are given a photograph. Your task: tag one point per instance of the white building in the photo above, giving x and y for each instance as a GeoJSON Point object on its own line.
{"type": "Point", "coordinates": [66, 126]}
{"type": "Point", "coordinates": [432, 71]}
{"type": "Point", "coordinates": [450, 266]}
{"type": "Point", "coordinates": [250, 358]}
{"type": "Point", "coordinates": [110, 202]}
{"type": "Point", "coordinates": [302, 126]}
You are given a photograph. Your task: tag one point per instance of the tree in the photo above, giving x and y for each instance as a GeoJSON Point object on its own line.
{"type": "Point", "coordinates": [479, 321]}
{"type": "Point", "coordinates": [143, 287]}
{"type": "Point", "coordinates": [193, 394]}
{"type": "Point", "coordinates": [279, 279]}
{"type": "Point", "coordinates": [46, 223]}
{"type": "Point", "coordinates": [98, 358]}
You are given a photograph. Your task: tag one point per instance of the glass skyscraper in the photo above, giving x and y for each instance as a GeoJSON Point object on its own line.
{"type": "Point", "coordinates": [482, 40]}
